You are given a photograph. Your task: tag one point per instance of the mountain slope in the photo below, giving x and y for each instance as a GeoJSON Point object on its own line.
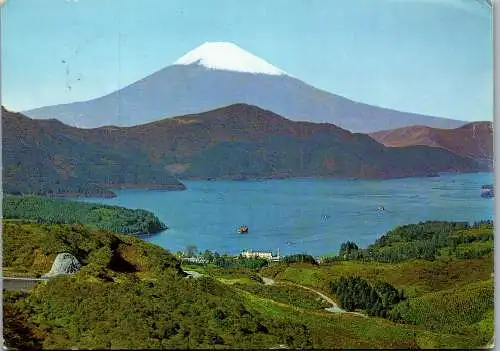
{"type": "Point", "coordinates": [473, 140]}
{"type": "Point", "coordinates": [235, 142]}
{"type": "Point", "coordinates": [48, 157]}
{"type": "Point", "coordinates": [246, 141]}
{"type": "Point", "coordinates": [208, 78]}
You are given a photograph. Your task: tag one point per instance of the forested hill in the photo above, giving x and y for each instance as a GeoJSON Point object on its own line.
{"type": "Point", "coordinates": [46, 157]}
{"type": "Point", "coordinates": [238, 141]}
{"type": "Point", "coordinates": [46, 210]}
{"type": "Point", "coordinates": [426, 240]}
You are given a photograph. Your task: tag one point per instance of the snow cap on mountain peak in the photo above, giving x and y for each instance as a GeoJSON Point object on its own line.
{"type": "Point", "coordinates": [227, 56]}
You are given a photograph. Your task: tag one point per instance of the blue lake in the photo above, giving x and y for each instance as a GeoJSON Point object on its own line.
{"type": "Point", "coordinates": [304, 215]}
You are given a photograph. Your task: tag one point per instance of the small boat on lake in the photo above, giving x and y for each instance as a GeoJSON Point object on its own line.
{"type": "Point", "coordinates": [487, 191]}
{"type": "Point", "coordinates": [243, 229]}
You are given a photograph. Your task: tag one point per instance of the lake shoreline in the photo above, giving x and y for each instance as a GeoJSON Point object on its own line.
{"type": "Point", "coordinates": [297, 215]}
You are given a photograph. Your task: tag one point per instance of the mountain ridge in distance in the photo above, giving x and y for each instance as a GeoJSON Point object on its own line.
{"type": "Point", "coordinates": [234, 142]}
{"type": "Point", "coordinates": [473, 140]}
{"type": "Point", "coordinates": [215, 75]}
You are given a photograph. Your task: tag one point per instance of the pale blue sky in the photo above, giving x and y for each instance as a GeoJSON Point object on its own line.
{"type": "Point", "coordinates": [425, 56]}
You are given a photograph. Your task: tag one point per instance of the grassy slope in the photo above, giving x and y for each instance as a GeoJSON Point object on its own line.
{"type": "Point", "coordinates": [415, 277]}
{"type": "Point", "coordinates": [451, 299]}
{"type": "Point", "coordinates": [455, 310]}
{"type": "Point", "coordinates": [329, 330]}
{"type": "Point", "coordinates": [424, 278]}
{"type": "Point", "coordinates": [130, 295]}
{"type": "Point", "coordinates": [289, 295]}
{"type": "Point", "coordinates": [31, 249]}
{"type": "Point", "coordinates": [348, 331]}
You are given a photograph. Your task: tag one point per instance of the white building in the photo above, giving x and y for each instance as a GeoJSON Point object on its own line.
{"type": "Point", "coordinates": [196, 260]}
{"type": "Point", "coordinates": [268, 255]}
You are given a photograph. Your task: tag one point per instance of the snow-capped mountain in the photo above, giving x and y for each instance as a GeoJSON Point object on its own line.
{"type": "Point", "coordinates": [228, 57]}
{"type": "Point", "coordinates": [220, 74]}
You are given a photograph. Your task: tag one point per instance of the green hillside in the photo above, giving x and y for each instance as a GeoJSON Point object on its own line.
{"type": "Point", "coordinates": [455, 310]}
{"type": "Point", "coordinates": [129, 294]}
{"type": "Point", "coordinates": [31, 248]}
{"type": "Point", "coordinates": [61, 211]}
{"type": "Point", "coordinates": [132, 294]}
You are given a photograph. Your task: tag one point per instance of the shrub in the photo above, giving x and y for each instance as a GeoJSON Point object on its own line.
{"type": "Point", "coordinates": [299, 258]}
{"type": "Point", "coordinates": [358, 293]}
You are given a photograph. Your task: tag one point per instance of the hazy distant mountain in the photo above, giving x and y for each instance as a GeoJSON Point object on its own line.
{"type": "Point", "coordinates": [235, 142]}
{"type": "Point", "coordinates": [474, 140]}
{"type": "Point", "coordinates": [220, 74]}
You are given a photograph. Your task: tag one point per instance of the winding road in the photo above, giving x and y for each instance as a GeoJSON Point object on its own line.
{"type": "Point", "coordinates": [334, 309]}
{"type": "Point", "coordinates": [491, 344]}
{"type": "Point", "coordinates": [268, 281]}
{"type": "Point", "coordinates": [19, 283]}
{"type": "Point", "coordinates": [193, 274]}
{"type": "Point", "coordinates": [25, 284]}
